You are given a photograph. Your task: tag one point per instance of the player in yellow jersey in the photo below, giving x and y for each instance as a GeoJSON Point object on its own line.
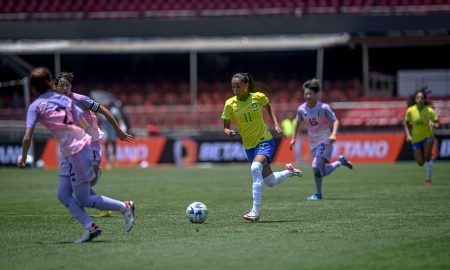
{"type": "Point", "coordinates": [420, 118]}
{"type": "Point", "coordinates": [246, 110]}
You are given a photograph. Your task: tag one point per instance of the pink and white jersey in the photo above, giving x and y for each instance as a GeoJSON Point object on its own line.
{"type": "Point", "coordinates": [58, 114]}
{"type": "Point", "coordinates": [89, 108]}
{"type": "Point", "coordinates": [318, 121]}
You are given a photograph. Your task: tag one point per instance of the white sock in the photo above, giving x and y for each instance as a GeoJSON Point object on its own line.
{"type": "Point", "coordinates": [257, 186]}
{"type": "Point", "coordinates": [277, 177]}
{"type": "Point", "coordinates": [429, 169]}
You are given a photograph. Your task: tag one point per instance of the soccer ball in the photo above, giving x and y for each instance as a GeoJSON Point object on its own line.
{"type": "Point", "coordinates": [197, 212]}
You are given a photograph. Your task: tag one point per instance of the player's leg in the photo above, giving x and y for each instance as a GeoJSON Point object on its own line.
{"type": "Point", "coordinates": [274, 178]}
{"type": "Point", "coordinates": [427, 153]}
{"type": "Point", "coordinates": [66, 198]}
{"type": "Point", "coordinates": [92, 230]}
{"type": "Point", "coordinates": [328, 167]}
{"type": "Point", "coordinates": [83, 175]}
{"type": "Point", "coordinates": [418, 156]}
{"type": "Point", "coordinates": [97, 160]}
{"type": "Point", "coordinates": [108, 154]}
{"type": "Point", "coordinates": [257, 186]}
{"type": "Point", "coordinates": [317, 165]}
{"type": "Point", "coordinates": [321, 154]}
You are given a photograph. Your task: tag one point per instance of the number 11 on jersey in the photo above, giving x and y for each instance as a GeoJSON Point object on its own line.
{"type": "Point", "coordinates": [248, 117]}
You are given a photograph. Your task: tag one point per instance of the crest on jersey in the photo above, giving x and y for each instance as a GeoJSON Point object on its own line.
{"type": "Point", "coordinates": [255, 106]}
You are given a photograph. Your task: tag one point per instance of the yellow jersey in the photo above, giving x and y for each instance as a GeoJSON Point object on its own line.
{"type": "Point", "coordinates": [248, 116]}
{"type": "Point", "coordinates": [420, 122]}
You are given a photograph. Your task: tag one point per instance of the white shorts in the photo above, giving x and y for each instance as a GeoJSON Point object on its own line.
{"type": "Point", "coordinates": [323, 150]}
{"type": "Point", "coordinates": [96, 150]}
{"type": "Point", "coordinates": [81, 166]}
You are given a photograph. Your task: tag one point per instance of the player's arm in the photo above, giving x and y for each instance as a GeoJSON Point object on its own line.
{"type": "Point", "coordinates": [108, 115]}
{"type": "Point", "coordinates": [435, 124]}
{"type": "Point", "coordinates": [407, 129]}
{"type": "Point", "coordinates": [26, 143]}
{"type": "Point", "coordinates": [77, 113]}
{"type": "Point", "coordinates": [296, 131]}
{"type": "Point", "coordinates": [226, 128]}
{"type": "Point", "coordinates": [334, 131]}
{"type": "Point", "coordinates": [275, 121]}
{"type": "Point", "coordinates": [434, 119]}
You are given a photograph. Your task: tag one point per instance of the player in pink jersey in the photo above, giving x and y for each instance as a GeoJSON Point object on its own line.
{"type": "Point", "coordinates": [59, 114]}
{"type": "Point", "coordinates": [318, 117]}
{"type": "Point", "coordinates": [90, 108]}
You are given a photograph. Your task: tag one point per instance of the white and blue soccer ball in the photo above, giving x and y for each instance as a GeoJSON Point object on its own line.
{"type": "Point", "coordinates": [197, 212]}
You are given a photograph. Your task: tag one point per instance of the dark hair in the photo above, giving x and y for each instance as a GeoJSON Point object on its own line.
{"type": "Point", "coordinates": [313, 84]}
{"type": "Point", "coordinates": [247, 78]}
{"type": "Point", "coordinates": [425, 91]}
{"type": "Point", "coordinates": [41, 80]}
{"type": "Point", "coordinates": [64, 75]}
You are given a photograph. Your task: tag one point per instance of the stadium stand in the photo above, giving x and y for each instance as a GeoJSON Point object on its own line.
{"type": "Point", "coordinates": [114, 9]}
{"type": "Point", "coordinates": [164, 99]}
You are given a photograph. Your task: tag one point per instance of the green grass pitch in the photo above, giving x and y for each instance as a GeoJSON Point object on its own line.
{"type": "Point", "coordinates": [374, 217]}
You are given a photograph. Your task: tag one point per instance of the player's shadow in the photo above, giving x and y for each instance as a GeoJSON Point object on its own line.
{"type": "Point", "coordinates": [280, 221]}
{"type": "Point", "coordinates": [340, 199]}
{"type": "Point", "coordinates": [72, 242]}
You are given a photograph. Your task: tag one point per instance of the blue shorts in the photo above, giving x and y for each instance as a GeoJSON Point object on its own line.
{"type": "Point", "coordinates": [323, 150]}
{"type": "Point", "coordinates": [266, 148]}
{"type": "Point", "coordinates": [419, 145]}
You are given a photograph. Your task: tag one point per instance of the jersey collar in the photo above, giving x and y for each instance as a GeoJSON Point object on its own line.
{"type": "Point", "coordinates": [243, 99]}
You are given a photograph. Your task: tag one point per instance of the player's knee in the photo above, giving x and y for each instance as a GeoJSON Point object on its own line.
{"type": "Point", "coordinates": [256, 168]}
{"type": "Point", "coordinates": [84, 201]}
{"type": "Point", "coordinates": [317, 172]}
{"type": "Point", "coordinates": [269, 183]}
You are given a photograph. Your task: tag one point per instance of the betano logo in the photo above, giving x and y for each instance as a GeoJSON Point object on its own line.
{"type": "Point", "coordinates": [362, 149]}
{"type": "Point", "coordinates": [222, 151]}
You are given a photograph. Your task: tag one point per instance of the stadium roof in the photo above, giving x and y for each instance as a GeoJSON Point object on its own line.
{"type": "Point", "coordinates": [176, 45]}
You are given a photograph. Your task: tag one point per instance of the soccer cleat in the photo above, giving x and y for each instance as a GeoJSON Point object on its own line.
{"type": "Point", "coordinates": [90, 234]}
{"type": "Point", "coordinates": [128, 215]}
{"type": "Point", "coordinates": [315, 197]}
{"type": "Point", "coordinates": [293, 170]}
{"type": "Point", "coordinates": [345, 162]}
{"type": "Point", "coordinates": [428, 182]}
{"type": "Point", "coordinates": [104, 214]}
{"type": "Point", "coordinates": [252, 216]}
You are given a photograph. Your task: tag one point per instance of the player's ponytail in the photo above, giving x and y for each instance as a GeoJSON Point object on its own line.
{"type": "Point", "coordinates": [247, 78]}
{"type": "Point", "coordinates": [41, 80]}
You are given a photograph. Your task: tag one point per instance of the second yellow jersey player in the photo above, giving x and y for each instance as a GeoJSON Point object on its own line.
{"type": "Point", "coordinates": [419, 120]}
